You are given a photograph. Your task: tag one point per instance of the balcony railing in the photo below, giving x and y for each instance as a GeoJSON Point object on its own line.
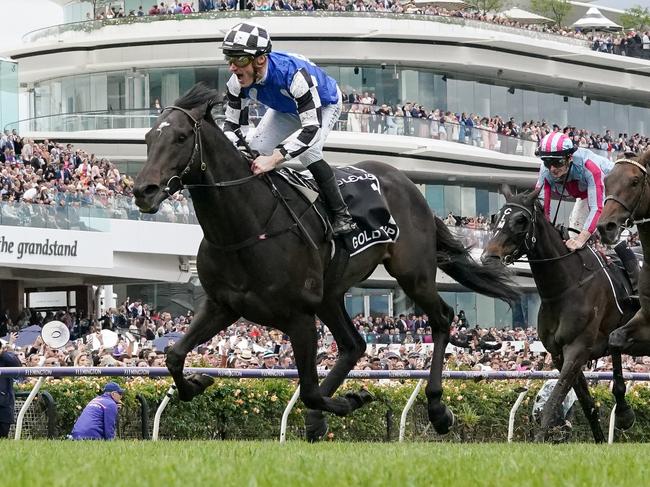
{"type": "Point", "coordinates": [68, 31]}
{"type": "Point", "coordinates": [72, 211]}
{"type": "Point", "coordinates": [351, 121]}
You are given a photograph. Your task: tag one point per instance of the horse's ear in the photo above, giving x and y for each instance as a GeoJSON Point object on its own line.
{"type": "Point", "coordinates": [506, 191]}
{"type": "Point", "coordinates": [532, 196]}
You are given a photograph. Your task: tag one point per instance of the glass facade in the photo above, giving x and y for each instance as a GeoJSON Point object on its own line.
{"type": "Point", "coordinates": [8, 91]}
{"type": "Point", "coordinates": [141, 88]}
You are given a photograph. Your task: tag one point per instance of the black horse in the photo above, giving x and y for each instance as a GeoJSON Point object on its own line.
{"type": "Point", "coordinates": [253, 262]}
{"type": "Point", "coordinates": [627, 204]}
{"type": "Point", "coordinates": [578, 308]}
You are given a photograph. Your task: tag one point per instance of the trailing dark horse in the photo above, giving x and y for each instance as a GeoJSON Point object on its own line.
{"type": "Point", "coordinates": [253, 261]}
{"type": "Point", "coordinates": [627, 204]}
{"type": "Point", "coordinates": [578, 308]}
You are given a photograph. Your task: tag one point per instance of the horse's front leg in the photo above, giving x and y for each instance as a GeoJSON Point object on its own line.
{"type": "Point", "coordinates": [634, 339]}
{"type": "Point", "coordinates": [581, 388]}
{"type": "Point", "coordinates": [574, 356]}
{"type": "Point", "coordinates": [208, 321]}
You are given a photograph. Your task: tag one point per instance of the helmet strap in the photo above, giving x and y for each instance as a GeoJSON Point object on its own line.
{"type": "Point", "coordinates": [258, 72]}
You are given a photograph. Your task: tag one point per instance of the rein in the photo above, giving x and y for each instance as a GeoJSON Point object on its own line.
{"type": "Point", "coordinates": [198, 149]}
{"type": "Point", "coordinates": [630, 222]}
{"type": "Point", "coordinates": [566, 178]}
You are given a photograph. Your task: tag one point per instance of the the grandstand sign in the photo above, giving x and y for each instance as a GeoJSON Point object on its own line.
{"type": "Point", "coordinates": [37, 246]}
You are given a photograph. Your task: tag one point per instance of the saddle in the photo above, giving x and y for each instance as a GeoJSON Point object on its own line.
{"type": "Point", "coordinates": [621, 283]}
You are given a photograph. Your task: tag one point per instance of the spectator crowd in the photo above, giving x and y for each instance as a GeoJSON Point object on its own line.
{"type": "Point", "coordinates": [143, 335]}
{"type": "Point", "coordinates": [632, 43]}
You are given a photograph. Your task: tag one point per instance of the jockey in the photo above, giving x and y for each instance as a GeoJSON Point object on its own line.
{"type": "Point", "coordinates": [586, 183]}
{"type": "Point", "coordinates": [303, 104]}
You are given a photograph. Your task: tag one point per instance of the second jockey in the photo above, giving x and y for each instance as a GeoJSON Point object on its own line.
{"type": "Point", "coordinates": [581, 174]}
{"type": "Point", "coordinates": [585, 182]}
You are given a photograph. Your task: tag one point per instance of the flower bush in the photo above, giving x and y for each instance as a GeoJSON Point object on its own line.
{"type": "Point", "coordinates": [252, 409]}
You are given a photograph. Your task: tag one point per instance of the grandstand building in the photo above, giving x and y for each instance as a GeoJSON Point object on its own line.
{"type": "Point", "coordinates": [96, 84]}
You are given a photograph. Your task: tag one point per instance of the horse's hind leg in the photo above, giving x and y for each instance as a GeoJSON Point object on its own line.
{"type": "Point", "coordinates": [589, 407]}
{"type": "Point", "coordinates": [208, 321]}
{"type": "Point", "coordinates": [417, 276]}
{"type": "Point", "coordinates": [440, 318]}
{"type": "Point", "coordinates": [302, 332]}
{"type": "Point", "coordinates": [351, 347]}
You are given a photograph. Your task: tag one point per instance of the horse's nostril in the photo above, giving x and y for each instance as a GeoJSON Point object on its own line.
{"type": "Point", "coordinates": [147, 191]}
{"type": "Point", "coordinates": [610, 227]}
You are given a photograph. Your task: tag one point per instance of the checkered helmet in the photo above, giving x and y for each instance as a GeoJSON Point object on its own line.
{"type": "Point", "coordinates": [246, 38]}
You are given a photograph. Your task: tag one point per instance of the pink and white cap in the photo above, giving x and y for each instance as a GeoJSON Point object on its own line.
{"type": "Point", "coordinates": [555, 143]}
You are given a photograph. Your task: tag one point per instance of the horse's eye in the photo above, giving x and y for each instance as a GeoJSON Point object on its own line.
{"type": "Point", "coordinates": [182, 138]}
{"type": "Point", "coordinates": [635, 181]}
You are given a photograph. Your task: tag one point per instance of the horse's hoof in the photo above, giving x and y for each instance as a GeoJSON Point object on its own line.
{"type": "Point", "coordinates": [442, 423]}
{"type": "Point", "coordinates": [196, 384]}
{"type": "Point", "coordinates": [316, 426]}
{"type": "Point", "coordinates": [359, 399]}
{"type": "Point", "coordinates": [557, 434]}
{"type": "Point", "coordinates": [625, 419]}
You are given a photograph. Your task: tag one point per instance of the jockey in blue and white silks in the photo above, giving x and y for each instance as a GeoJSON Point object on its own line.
{"type": "Point", "coordinates": [585, 182]}
{"type": "Point", "coordinates": [303, 104]}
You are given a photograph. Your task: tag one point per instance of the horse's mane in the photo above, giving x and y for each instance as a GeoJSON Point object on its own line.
{"type": "Point", "coordinates": [199, 94]}
{"type": "Point", "coordinates": [523, 199]}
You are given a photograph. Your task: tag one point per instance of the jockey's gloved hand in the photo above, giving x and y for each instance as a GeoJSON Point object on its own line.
{"type": "Point", "coordinates": [578, 241]}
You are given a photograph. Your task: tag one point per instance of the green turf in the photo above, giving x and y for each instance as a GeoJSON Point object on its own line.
{"type": "Point", "coordinates": [222, 464]}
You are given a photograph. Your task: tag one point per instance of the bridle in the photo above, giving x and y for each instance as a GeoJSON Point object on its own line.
{"type": "Point", "coordinates": [197, 149]}
{"type": "Point", "coordinates": [529, 240]}
{"type": "Point", "coordinates": [629, 221]}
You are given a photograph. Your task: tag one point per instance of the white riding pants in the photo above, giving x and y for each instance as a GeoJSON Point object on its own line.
{"type": "Point", "coordinates": [579, 214]}
{"type": "Point", "coordinates": [275, 127]}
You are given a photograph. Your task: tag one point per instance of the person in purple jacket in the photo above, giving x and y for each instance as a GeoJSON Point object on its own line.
{"type": "Point", "coordinates": [99, 418]}
{"type": "Point", "coordinates": [7, 397]}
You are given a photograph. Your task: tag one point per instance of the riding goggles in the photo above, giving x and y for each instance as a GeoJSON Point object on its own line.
{"type": "Point", "coordinates": [239, 61]}
{"type": "Point", "coordinates": [553, 161]}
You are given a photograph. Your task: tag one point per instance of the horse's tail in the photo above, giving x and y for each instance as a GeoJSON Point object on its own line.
{"type": "Point", "coordinates": [492, 279]}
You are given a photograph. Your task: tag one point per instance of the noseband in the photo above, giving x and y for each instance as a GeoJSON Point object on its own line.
{"type": "Point", "coordinates": [198, 149]}
{"type": "Point", "coordinates": [630, 221]}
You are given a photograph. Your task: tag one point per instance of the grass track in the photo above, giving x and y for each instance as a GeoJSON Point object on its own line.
{"type": "Point", "coordinates": [222, 464]}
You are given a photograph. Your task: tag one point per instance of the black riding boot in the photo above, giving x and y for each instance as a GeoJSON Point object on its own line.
{"type": "Point", "coordinates": [329, 190]}
{"type": "Point", "coordinates": [630, 263]}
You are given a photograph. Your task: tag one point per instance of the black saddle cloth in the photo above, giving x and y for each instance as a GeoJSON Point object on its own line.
{"type": "Point", "coordinates": [362, 193]}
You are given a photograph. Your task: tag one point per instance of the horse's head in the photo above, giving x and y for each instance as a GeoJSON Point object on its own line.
{"type": "Point", "coordinates": [512, 228]}
{"type": "Point", "coordinates": [174, 148]}
{"type": "Point", "coordinates": [627, 196]}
